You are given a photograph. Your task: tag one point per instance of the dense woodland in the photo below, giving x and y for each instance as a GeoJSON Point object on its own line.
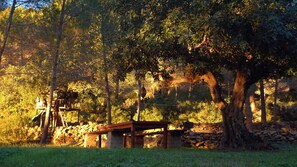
{"type": "Point", "coordinates": [162, 60]}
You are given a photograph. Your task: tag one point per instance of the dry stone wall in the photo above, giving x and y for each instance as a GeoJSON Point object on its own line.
{"type": "Point", "coordinates": [73, 135]}
{"type": "Point", "coordinates": [208, 135]}
{"type": "Point", "coordinates": [32, 133]}
{"type": "Point", "coordinates": [200, 136]}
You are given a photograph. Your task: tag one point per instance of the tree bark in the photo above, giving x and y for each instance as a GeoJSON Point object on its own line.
{"type": "Point", "coordinates": [107, 91]}
{"type": "Point", "coordinates": [234, 127]}
{"type": "Point", "coordinates": [263, 103]}
{"type": "Point", "coordinates": [117, 89]}
{"type": "Point", "coordinates": [215, 90]}
{"type": "Point", "coordinates": [105, 44]}
{"type": "Point", "coordinates": [138, 98]}
{"type": "Point", "coordinates": [248, 112]}
{"type": "Point", "coordinates": [54, 74]}
{"type": "Point", "coordinates": [275, 107]}
{"type": "Point", "coordinates": [236, 135]}
{"type": "Point", "coordinates": [6, 32]}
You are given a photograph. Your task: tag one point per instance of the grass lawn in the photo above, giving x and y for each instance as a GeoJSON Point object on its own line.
{"type": "Point", "coordinates": [27, 156]}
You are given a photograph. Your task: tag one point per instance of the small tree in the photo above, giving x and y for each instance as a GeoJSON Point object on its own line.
{"type": "Point", "coordinates": [14, 5]}
{"type": "Point", "coordinates": [7, 29]}
{"type": "Point", "coordinates": [54, 73]}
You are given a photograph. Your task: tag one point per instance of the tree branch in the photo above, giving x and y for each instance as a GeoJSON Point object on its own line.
{"type": "Point", "coordinates": [215, 90]}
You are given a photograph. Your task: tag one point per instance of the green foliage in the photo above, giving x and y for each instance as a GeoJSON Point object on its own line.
{"type": "Point", "coordinates": [19, 89]}
{"type": "Point", "coordinates": [200, 112]}
{"type": "Point", "coordinates": [119, 115]}
{"type": "Point", "coordinates": [181, 108]}
{"type": "Point", "coordinates": [90, 97]}
{"type": "Point", "coordinates": [152, 113]}
{"type": "Point", "coordinates": [11, 128]}
{"type": "Point", "coordinates": [167, 106]}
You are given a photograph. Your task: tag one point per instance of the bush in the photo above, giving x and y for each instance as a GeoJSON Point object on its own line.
{"type": "Point", "coordinates": [200, 112]}
{"type": "Point", "coordinates": [19, 89]}
{"type": "Point", "coordinates": [151, 114]}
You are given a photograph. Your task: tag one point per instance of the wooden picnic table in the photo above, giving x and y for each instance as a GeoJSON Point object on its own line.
{"type": "Point", "coordinates": [115, 132]}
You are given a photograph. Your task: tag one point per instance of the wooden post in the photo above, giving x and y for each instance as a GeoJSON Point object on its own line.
{"type": "Point", "coordinates": [99, 141]}
{"type": "Point", "coordinates": [125, 136]}
{"type": "Point", "coordinates": [132, 136]}
{"type": "Point", "coordinates": [115, 139]}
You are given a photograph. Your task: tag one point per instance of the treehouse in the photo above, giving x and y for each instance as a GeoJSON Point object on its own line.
{"type": "Point", "coordinates": [63, 103]}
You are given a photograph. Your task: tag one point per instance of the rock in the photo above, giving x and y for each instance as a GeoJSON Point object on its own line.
{"type": "Point", "coordinates": [291, 139]}
{"type": "Point", "coordinates": [199, 144]}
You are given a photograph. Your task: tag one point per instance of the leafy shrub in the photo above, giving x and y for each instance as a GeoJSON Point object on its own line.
{"type": "Point", "coordinates": [151, 114]}
{"type": "Point", "coordinates": [200, 112]}
{"type": "Point", "coordinates": [19, 89]}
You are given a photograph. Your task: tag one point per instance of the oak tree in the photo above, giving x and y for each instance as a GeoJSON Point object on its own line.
{"type": "Point", "coordinates": [254, 39]}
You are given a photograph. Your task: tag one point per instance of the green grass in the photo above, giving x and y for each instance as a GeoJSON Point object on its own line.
{"type": "Point", "coordinates": [69, 156]}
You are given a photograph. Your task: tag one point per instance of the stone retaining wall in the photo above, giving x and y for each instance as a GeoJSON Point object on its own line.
{"type": "Point", "coordinates": [200, 136]}
{"type": "Point", "coordinates": [208, 135]}
{"type": "Point", "coordinates": [73, 135]}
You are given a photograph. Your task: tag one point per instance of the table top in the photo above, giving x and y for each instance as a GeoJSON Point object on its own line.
{"type": "Point", "coordinates": [137, 125]}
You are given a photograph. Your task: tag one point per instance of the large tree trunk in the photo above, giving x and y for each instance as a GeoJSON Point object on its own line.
{"type": "Point", "coordinates": [233, 116]}
{"type": "Point", "coordinates": [248, 112]}
{"type": "Point", "coordinates": [6, 32]}
{"type": "Point", "coordinates": [236, 135]}
{"type": "Point", "coordinates": [54, 74]}
{"type": "Point", "coordinates": [263, 103]}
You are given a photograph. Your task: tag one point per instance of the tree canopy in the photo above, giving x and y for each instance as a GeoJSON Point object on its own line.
{"type": "Point", "coordinates": [102, 42]}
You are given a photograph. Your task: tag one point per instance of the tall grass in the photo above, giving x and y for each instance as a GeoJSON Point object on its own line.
{"type": "Point", "coordinates": [185, 157]}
